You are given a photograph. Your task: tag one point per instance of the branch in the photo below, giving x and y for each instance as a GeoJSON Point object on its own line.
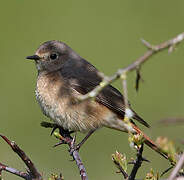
{"type": "Point", "coordinates": [177, 168]}
{"type": "Point", "coordinates": [172, 121]}
{"type": "Point", "coordinates": [121, 163]}
{"type": "Point", "coordinates": [32, 174]}
{"type": "Point", "coordinates": [65, 138]}
{"type": "Point", "coordinates": [137, 163]}
{"type": "Point", "coordinates": [170, 44]}
{"type": "Point", "coordinates": [6, 168]}
{"type": "Point", "coordinates": [121, 73]}
{"type": "Point", "coordinates": [73, 152]}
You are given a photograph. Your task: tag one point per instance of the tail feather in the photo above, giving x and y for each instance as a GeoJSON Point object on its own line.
{"type": "Point", "coordinates": [150, 143]}
{"type": "Point", "coordinates": [140, 120]}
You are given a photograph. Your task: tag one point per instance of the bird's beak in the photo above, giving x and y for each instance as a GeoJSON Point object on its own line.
{"type": "Point", "coordinates": [34, 57]}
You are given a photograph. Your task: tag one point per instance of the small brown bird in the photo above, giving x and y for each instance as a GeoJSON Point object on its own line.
{"type": "Point", "coordinates": [62, 76]}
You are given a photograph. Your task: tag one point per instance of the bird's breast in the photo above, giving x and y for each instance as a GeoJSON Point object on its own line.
{"type": "Point", "coordinates": [48, 94]}
{"type": "Point", "coordinates": [57, 100]}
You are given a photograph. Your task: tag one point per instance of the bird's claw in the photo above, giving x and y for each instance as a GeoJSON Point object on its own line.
{"type": "Point", "coordinates": [53, 129]}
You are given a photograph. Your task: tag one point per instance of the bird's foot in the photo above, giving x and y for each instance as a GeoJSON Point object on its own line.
{"type": "Point", "coordinates": [78, 146]}
{"type": "Point", "coordinates": [66, 136]}
{"type": "Point", "coordinates": [64, 133]}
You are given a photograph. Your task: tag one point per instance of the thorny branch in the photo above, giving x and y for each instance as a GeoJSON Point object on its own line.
{"type": "Point", "coordinates": [177, 168]}
{"type": "Point", "coordinates": [121, 163]}
{"type": "Point", "coordinates": [32, 174]}
{"type": "Point", "coordinates": [6, 168]}
{"type": "Point", "coordinates": [121, 73]}
{"type": "Point", "coordinates": [172, 121]}
{"type": "Point", "coordinates": [137, 163]}
{"type": "Point", "coordinates": [65, 138]}
{"type": "Point", "coordinates": [73, 152]}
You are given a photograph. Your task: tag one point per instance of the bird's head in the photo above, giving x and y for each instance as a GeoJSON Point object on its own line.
{"type": "Point", "coordinates": [51, 55]}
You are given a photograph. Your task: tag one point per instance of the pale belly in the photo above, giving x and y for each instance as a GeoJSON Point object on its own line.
{"type": "Point", "coordinates": [73, 117]}
{"type": "Point", "coordinates": [57, 101]}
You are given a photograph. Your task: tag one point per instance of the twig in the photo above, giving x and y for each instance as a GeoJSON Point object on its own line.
{"type": "Point", "coordinates": [166, 171]}
{"type": "Point", "coordinates": [137, 163]}
{"type": "Point", "coordinates": [74, 153]}
{"type": "Point", "coordinates": [65, 138]}
{"type": "Point", "coordinates": [172, 120]}
{"type": "Point", "coordinates": [125, 175]}
{"type": "Point", "coordinates": [121, 73]}
{"type": "Point", "coordinates": [21, 174]}
{"type": "Point", "coordinates": [137, 63]}
{"type": "Point", "coordinates": [121, 163]}
{"type": "Point", "coordinates": [177, 168]}
{"type": "Point", "coordinates": [33, 172]}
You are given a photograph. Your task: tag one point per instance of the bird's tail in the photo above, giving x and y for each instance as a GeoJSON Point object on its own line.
{"type": "Point", "coordinates": [150, 143]}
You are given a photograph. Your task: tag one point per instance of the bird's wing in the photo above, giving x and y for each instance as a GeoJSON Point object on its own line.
{"type": "Point", "coordinates": [84, 77]}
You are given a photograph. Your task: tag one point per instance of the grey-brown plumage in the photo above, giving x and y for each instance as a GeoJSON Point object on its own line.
{"type": "Point", "coordinates": [62, 76]}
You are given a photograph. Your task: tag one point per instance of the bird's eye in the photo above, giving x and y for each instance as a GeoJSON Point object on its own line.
{"type": "Point", "coordinates": [53, 56]}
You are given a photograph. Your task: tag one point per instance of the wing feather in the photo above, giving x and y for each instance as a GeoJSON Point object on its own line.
{"type": "Point", "coordinates": [84, 77]}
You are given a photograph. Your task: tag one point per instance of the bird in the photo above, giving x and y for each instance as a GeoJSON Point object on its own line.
{"type": "Point", "coordinates": [63, 76]}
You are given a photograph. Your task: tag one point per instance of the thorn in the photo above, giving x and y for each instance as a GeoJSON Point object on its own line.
{"type": "Point", "coordinates": [74, 139]}
{"type": "Point", "coordinates": [147, 44]}
{"type": "Point", "coordinates": [168, 169]}
{"type": "Point", "coordinates": [132, 162]}
{"type": "Point", "coordinates": [171, 49]}
{"type": "Point", "coordinates": [118, 172]}
{"type": "Point", "coordinates": [71, 160]}
{"type": "Point", "coordinates": [59, 143]}
{"type": "Point", "coordinates": [146, 160]}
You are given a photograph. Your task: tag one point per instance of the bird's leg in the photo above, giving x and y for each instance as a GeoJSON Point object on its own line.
{"type": "Point", "coordinates": [85, 139]}
{"type": "Point", "coordinates": [64, 133]}
{"type": "Point", "coordinates": [67, 134]}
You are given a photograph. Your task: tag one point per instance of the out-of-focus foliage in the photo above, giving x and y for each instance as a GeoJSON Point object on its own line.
{"type": "Point", "coordinates": [152, 175]}
{"type": "Point", "coordinates": [55, 177]}
{"type": "Point", "coordinates": [168, 147]}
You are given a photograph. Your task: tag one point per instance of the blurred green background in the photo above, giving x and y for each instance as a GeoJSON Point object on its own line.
{"type": "Point", "coordinates": [107, 33]}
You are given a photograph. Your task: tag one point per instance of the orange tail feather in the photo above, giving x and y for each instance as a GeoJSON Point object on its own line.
{"type": "Point", "coordinates": [150, 143]}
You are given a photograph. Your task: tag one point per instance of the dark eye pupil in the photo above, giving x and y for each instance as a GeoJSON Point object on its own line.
{"type": "Point", "coordinates": [53, 56]}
